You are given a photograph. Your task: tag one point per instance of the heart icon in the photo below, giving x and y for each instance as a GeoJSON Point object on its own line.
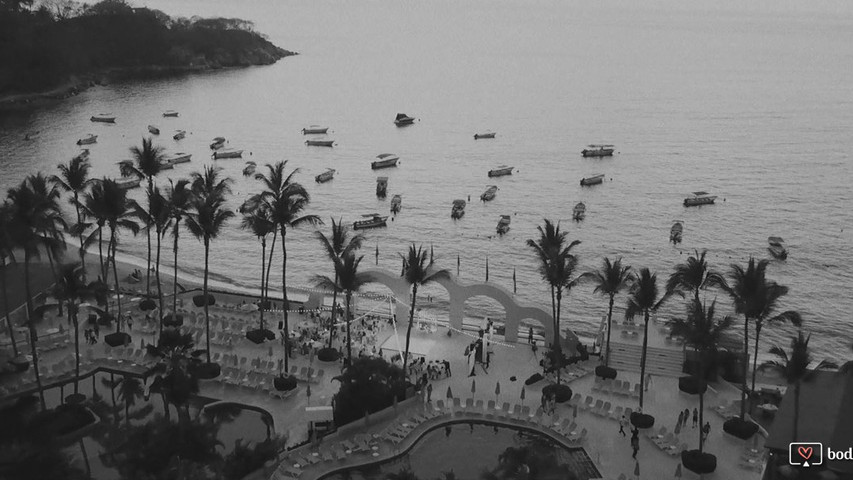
{"type": "Point", "coordinates": [805, 452]}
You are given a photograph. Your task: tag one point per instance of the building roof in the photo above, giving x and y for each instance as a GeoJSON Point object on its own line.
{"type": "Point", "coordinates": [825, 416]}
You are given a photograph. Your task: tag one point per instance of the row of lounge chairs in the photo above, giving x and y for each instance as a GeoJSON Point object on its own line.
{"type": "Point", "coordinates": [292, 465]}
{"type": "Point", "coordinates": [668, 442]}
{"type": "Point", "coordinates": [728, 410]}
{"type": "Point", "coordinates": [616, 387]}
{"type": "Point", "coordinates": [600, 407]}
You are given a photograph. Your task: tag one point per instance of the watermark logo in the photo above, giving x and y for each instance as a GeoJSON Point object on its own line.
{"type": "Point", "coordinates": [805, 454]}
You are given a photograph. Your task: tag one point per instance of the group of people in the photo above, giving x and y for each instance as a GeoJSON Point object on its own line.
{"type": "Point", "coordinates": [684, 417]}
{"type": "Point", "coordinates": [92, 334]}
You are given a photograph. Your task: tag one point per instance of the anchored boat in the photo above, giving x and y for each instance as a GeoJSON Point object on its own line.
{"type": "Point", "coordinates": [103, 118]}
{"type": "Point", "coordinates": [381, 186]}
{"type": "Point", "coordinates": [500, 171]}
{"type": "Point", "coordinates": [489, 194]}
{"type": "Point", "coordinates": [579, 212]}
{"type": "Point", "coordinates": [320, 143]}
{"type": "Point", "coordinates": [372, 220]}
{"type": "Point", "coordinates": [593, 180]}
{"type": "Point", "coordinates": [179, 134]}
{"type": "Point", "coordinates": [403, 119]}
{"type": "Point", "coordinates": [396, 204]}
{"type": "Point", "coordinates": [179, 158]}
{"type": "Point", "coordinates": [699, 198]}
{"type": "Point", "coordinates": [227, 153]}
{"type": "Point", "coordinates": [165, 164]}
{"type": "Point", "coordinates": [777, 248]}
{"type": "Point", "coordinates": [386, 160]}
{"type": "Point", "coordinates": [598, 151]}
{"type": "Point", "coordinates": [170, 113]}
{"type": "Point", "coordinates": [218, 142]}
{"type": "Point", "coordinates": [675, 232]}
{"type": "Point", "coordinates": [503, 224]}
{"type": "Point", "coordinates": [478, 136]}
{"type": "Point", "coordinates": [127, 183]}
{"type": "Point", "coordinates": [458, 209]}
{"type": "Point", "coordinates": [154, 130]}
{"type": "Point", "coordinates": [88, 140]}
{"type": "Point", "coordinates": [314, 130]}
{"type": "Point", "coordinates": [325, 176]}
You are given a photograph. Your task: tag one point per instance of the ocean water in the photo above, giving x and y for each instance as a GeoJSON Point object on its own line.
{"type": "Point", "coordinates": [751, 102]}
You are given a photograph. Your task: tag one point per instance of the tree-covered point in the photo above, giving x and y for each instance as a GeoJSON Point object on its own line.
{"type": "Point", "coordinates": [47, 43]}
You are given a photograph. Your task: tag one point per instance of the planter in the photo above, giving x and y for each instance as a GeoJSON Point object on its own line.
{"type": "Point", "coordinates": [116, 339]}
{"type": "Point", "coordinates": [21, 363]}
{"type": "Point", "coordinates": [533, 379]}
{"type": "Point", "coordinates": [284, 383]}
{"type": "Point", "coordinates": [75, 399]}
{"type": "Point", "coordinates": [692, 385]}
{"type": "Point", "coordinates": [208, 371]}
{"type": "Point", "coordinates": [562, 392]}
{"type": "Point", "coordinates": [328, 355]}
{"type": "Point", "coordinates": [605, 372]}
{"type": "Point", "coordinates": [699, 462]}
{"type": "Point", "coordinates": [147, 305]}
{"type": "Point", "coordinates": [642, 420]}
{"type": "Point", "coordinates": [260, 336]}
{"type": "Point", "coordinates": [742, 429]}
{"type": "Point", "coordinates": [172, 320]}
{"type": "Point", "coordinates": [198, 300]}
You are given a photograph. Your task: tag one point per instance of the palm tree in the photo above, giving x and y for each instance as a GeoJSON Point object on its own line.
{"type": "Point", "coordinates": [756, 299]}
{"type": "Point", "coordinates": [566, 281]}
{"type": "Point", "coordinates": [795, 369]}
{"type": "Point", "coordinates": [154, 215]}
{"type": "Point", "coordinates": [336, 246]}
{"type": "Point", "coordinates": [32, 218]}
{"type": "Point", "coordinates": [74, 178]}
{"type": "Point", "coordinates": [703, 331]}
{"type": "Point", "coordinates": [286, 200]}
{"type": "Point", "coordinates": [205, 222]}
{"type": "Point", "coordinates": [94, 206]}
{"type": "Point", "coordinates": [258, 221]}
{"type": "Point", "coordinates": [6, 251]}
{"type": "Point", "coordinates": [52, 239]}
{"type": "Point", "coordinates": [175, 378]}
{"type": "Point", "coordinates": [694, 275]}
{"type": "Point", "coordinates": [178, 198]}
{"type": "Point", "coordinates": [350, 280]}
{"type": "Point", "coordinates": [643, 298]}
{"type": "Point", "coordinates": [119, 212]}
{"type": "Point", "coordinates": [129, 390]}
{"type": "Point", "coordinates": [609, 280]}
{"type": "Point", "coordinates": [418, 269]}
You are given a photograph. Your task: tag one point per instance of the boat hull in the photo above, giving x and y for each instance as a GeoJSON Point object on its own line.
{"type": "Point", "coordinates": [88, 140]}
{"type": "Point", "coordinates": [180, 135]}
{"type": "Point", "coordinates": [325, 177]}
{"type": "Point", "coordinates": [170, 114]}
{"type": "Point", "coordinates": [598, 152]}
{"type": "Point", "coordinates": [402, 122]}
{"type": "Point", "coordinates": [153, 130]}
{"type": "Point", "coordinates": [500, 172]}
{"type": "Point", "coordinates": [314, 131]}
{"type": "Point", "coordinates": [695, 202]}
{"type": "Point", "coordinates": [478, 136]}
{"type": "Point", "coordinates": [384, 164]}
{"type": "Point", "coordinates": [103, 119]}
{"type": "Point", "coordinates": [778, 252]}
{"type": "Point", "coordinates": [228, 154]}
{"type": "Point", "coordinates": [320, 143]}
{"type": "Point", "coordinates": [592, 181]}
{"type": "Point", "coordinates": [180, 158]}
{"type": "Point", "coordinates": [374, 223]}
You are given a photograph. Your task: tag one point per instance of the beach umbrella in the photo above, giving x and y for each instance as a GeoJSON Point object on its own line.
{"type": "Point", "coordinates": [522, 395]}
{"type": "Point", "coordinates": [497, 391]}
{"type": "Point", "coordinates": [678, 471]}
{"type": "Point", "coordinates": [449, 393]}
{"type": "Point", "coordinates": [473, 386]}
{"type": "Point", "coordinates": [637, 469]}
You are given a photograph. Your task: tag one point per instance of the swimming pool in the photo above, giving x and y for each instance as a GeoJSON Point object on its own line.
{"type": "Point", "coordinates": [471, 449]}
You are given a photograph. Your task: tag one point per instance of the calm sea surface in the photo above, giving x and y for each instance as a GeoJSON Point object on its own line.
{"type": "Point", "coordinates": [752, 102]}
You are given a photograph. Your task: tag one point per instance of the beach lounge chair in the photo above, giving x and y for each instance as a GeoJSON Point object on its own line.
{"type": "Point", "coordinates": [605, 410]}
{"type": "Point", "coordinates": [616, 414]}
{"type": "Point", "coordinates": [598, 404]}
{"type": "Point", "coordinates": [635, 393]}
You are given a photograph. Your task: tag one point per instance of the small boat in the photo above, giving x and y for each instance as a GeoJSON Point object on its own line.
{"type": "Point", "coordinates": [403, 119]}
{"type": "Point", "coordinates": [381, 186]}
{"type": "Point", "coordinates": [227, 153]}
{"type": "Point", "coordinates": [170, 113]}
{"type": "Point", "coordinates": [154, 130]}
{"type": "Point", "coordinates": [319, 143]}
{"type": "Point", "coordinates": [314, 130]}
{"type": "Point", "coordinates": [500, 171]}
{"type": "Point", "coordinates": [489, 194]}
{"type": "Point", "coordinates": [249, 169]}
{"type": "Point", "coordinates": [503, 224]}
{"type": "Point", "coordinates": [675, 232]}
{"type": "Point", "coordinates": [458, 209]}
{"type": "Point", "coordinates": [372, 220]}
{"type": "Point", "coordinates": [165, 164]}
{"type": "Point", "coordinates": [385, 160]}
{"type": "Point", "coordinates": [699, 198]}
{"type": "Point", "coordinates": [88, 140]}
{"type": "Point", "coordinates": [593, 180]}
{"type": "Point", "coordinates": [598, 151]}
{"type": "Point", "coordinates": [83, 155]}
{"type": "Point", "coordinates": [179, 134]}
{"type": "Point", "coordinates": [103, 118]}
{"type": "Point", "coordinates": [127, 183]}
{"type": "Point", "coordinates": [179, 158]}
{"type": "Point", "coordinates": [325, 176]}
{"type": "Point", "coordinates": [478, 136]}
{"type": "Point", "coordinates": [579, 212]}
{"type": "Point", "coordinates": [777, 248]}
{"type": "Point", "coordinates": [396, 204]}
{"type": "Point", "coordinates": [218, 143]}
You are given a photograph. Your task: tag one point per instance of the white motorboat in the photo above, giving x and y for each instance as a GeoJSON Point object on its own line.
{"type": "Point", "coordinates": [227, 153]}
{"type": "Point", "coordinates": [314, 130]}
{"type": "Point", "coordinates": [501, 171]}
{"type": "Point", "coordinates": [386, 160]}
{"type": "Point", "coordinates": [489, 194]}
{"type": "Point", "coordinates": [579, 212]}
{"type": "Point", "coordinates": [103, 118]}
{"type": "Point", "coordinates": [154, 130]}
{"type": "Point", "coordinates": [170, 113]}
{"type": "Point", "coordinates": [478, 136]}
{"type": "Point", "coordinates": [88, 140]}
{"type": "Point", "coordinates": [325, 176]}
{"type": "Point", "coordinates": [699, 198]}
{"type": "Point", "coordinates": [593, 180]}
{"type": "Point", "coordinates": [776, 247]}
{"type": "Point", "coordinates": [503, 224]}
{"type": "Point", "coordinates": [598, 151]}
{"type": "Point", "coordinates": [179, 134]}
{"type": "Point", "coordinates": [372, 220]}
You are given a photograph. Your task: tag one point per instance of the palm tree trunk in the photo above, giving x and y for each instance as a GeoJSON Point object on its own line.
{"type": "Point", "coordinates": [334, 308]}
{"type": "Point", "coordinates": [85, 459]}
{"type": "Point", "coordinates": [755, 356]}
{"type": "Point", "coordinates": [409, 329]}
{"type": "Point", "coordinates": [148, 265]}
{"type": "Point", "coordinates": [263, 265]}
{"type": "Point", "coordinates": [55, 276]}
{"type": "Point", "coordinates": [609, 326]}
{"type": "Point", "coordinates": [101, 256]}
{"type": "Point", "coordinates": [796, 409]}
{"type": "Point", "coordinates": [643, 356]}
{"type": "Point", "coordinates": [32, 327]}
{"type": "Point", "coordinates": [8, 316]}
{"type": "Point", "coordinates": [285, 304]}
{"type": "Point", "coordinates": [175, 277]}
{"type": "Point", "coordinates": [206, 300]}
{"type": "Point", "coordinates": [558, 357]}
{"type": "Point", "coordinates": [743, 396]}
{"type": "Point", "coordinates": [159, 285]}
{"type": "Point", "coordinates": [113, 396]}
{"type": "Point", "coordinates": [269, 265]}
{"type": "Point", "coordinates": [701, 381]}
{"type": "Point", "coordinates": [115, 277]}
{"type": "Point", "coordinates": [349, 341]}
{"type": "Point", "coordinates": [82, 247]}
{"type": "Point", "coordinates": [76, 350]}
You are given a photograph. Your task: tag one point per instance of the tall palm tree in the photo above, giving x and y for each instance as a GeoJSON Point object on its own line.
{"type": "Point", "coordinates": [154, 215]}
{"type": "Point", "coordinates": [6, 251]}
{"type": "Point", "coordinates": [610, 279]}
{"type": "Point", "coordinates": [418, 269]}
{"type": "Point", "coordinates": [178, 198]}
{"type": "Point", "coordinates": [756, 299]}
{"type": "Point", "coordinates": [205, 221]}
{"type": "Point", "coordinates": [175, 378]}
{"type": "Point", "coordinates": [644, 298]}
{"type": "Point", "coordinates": [52, 239]}
{"type": "Point", "coordinates": [703, 331]}
{"type": "Point", "coordinates": [795, 369]}
{"type": "Point", "coordinates": [74, 178]}
{"type": "Point", "coordinates": [349, 280]}
{"type": "Point", "coordinates": [694, 275]}
{"type": "Point", "coordinates": [94, 206]}
{"type": "Point", "coordinates": [129, 390]}
{"type": "Point", "coordinates": [567, 280]}
{"type": "Point", "coordinates": [286, 200]}
{"type": "Point", "coordinates": [336, 246]}
{"type": "Point", "coordinates": [258, 221]}
{"type": "Point", "coordinates": [119, 212]}
{"type": "Point", "coordinates": [32, 218]}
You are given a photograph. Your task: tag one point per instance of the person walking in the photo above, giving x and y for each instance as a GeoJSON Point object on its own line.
{"type": "Point", "coordinates": [706, 430]}
{"type": "Point", "coordinates": [680, 419]}
{"type": "Point", "coordinates": [622, 423]}
{"type": "Point", "coordinates": [686, 417]}
{"type": "Point", "coordinates": [429, 392]}
{"type": "Point", "coordinates": [534, 348]}
{"type": "Point", "coordinates": [648, 381]}
{"type": "Point", "coordinates": [695, 417]}
{"type": "Point", "coordinates": [635, 441]}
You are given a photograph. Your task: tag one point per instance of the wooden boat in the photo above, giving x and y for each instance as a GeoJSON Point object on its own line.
{"type": "Point", "coordinates": [179, 134]}
{"type": "Point", "coordinates": [579, 212]}
{"type": "Point", "coordinates": [478, 136]}
{"type": "Point", "coordinates": [598, 151]}
{"type": "Point", "coordinates": [489, 194]}
{"type": "Point", "coordinates": [500, 171]}
{"type": "Point", "coordinates": [381, 186]}
{"type": "Point", "coordinates": [249, 169]}
{"type": "Point", "coordinates": [218, 143]}
{"type": "Point", "coordinates": [777, 248]}
{"type": "Point", "coordinates": [699, 198]}
{"type": "Point", "coordinates": [154, 130]}
{"type": "Point", "coordinates": [170, 113]}
{"type": "Point", "coordinates": [88, 140]}
{"type": "Point", "coordinates": [458, 210]}
{"type": "Point", "coordinates": [325, 176]}
{"type": "Point", "coordinates": [179, 158]}
{"type": "Point", "coordinates": [372, 220]}
{"type": "Point", "coordinates": [396, 204]}
{"type": "Point", "coordinates": [593, 180]}
{"type": "Point", "coordinates": [314, 129]}
{"type": "Point", "coordinates": [403, 119]}
{"type": "Point", "coordinates": [128, 182]}
{"type": "Point", "coordinates": [386, 160]}
{"type": "Point", "coordinates": [227, 153]}
{"type": "Point", "coordinates": [503, 224]}
{"type": "Point", "coordinates": [319, 143]}
{"type": "Point", "coordinates": [165, 164]}
{"type": "Point", "coordinates": [675, 232]}
{"type": "Point", "coordinates": [103, 118]}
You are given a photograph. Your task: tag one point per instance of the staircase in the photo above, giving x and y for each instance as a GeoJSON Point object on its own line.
{"type": "Point", "coordinates": [659, 361]}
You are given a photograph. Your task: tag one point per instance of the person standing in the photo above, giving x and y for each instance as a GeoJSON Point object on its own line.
{"type": "Point", "coordinates": [648, 381]}
{"type": "Point", "coordinates": [635, 441]}
{"type": "Point", "coordinates": [695, 417]}
{"type": "Point", "coordinates": [622, 423]}
{"type": "Point", "coordinates": [706, 430]}
{"type": "Point", "coordinates": [686, 417]}
{"type": "Point", "coordinates": [530, 335]}
{"type": "Point", "coordinates": [680, 419]}
{"type": "Point", "coordinates": [429, 392]}
{"type": "Point", "coordinates": [534, 348]}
